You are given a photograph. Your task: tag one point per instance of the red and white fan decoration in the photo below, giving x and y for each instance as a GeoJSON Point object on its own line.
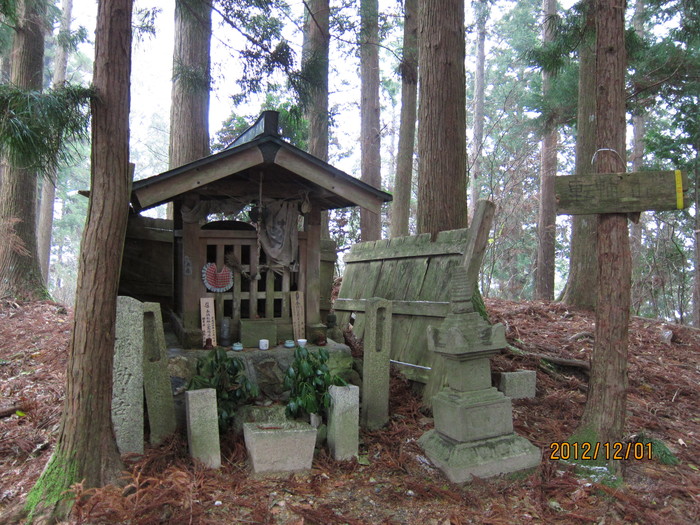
{"type": "Point", "coordinates": [217, 281]}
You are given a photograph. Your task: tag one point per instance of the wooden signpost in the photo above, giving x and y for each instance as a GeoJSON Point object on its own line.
{"type": "Point", "coordinates": [621, 192]}
{"type": "Point", "coordinates": [298, 318]}
{"type": "Point", "coordinates": [208, 320]}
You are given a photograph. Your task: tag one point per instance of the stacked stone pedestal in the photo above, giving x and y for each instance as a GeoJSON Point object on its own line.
{"type": "Point", "coordinates": [473, 433]}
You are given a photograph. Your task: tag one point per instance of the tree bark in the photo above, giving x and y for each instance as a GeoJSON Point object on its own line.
{"type": "Point", "coordinates": [481, 13]}
{"type": "Point", "coordinates": [48, 186]}
{"type": "Point", "coordinates": [638, 128]}
{"type": "Point", "coordinates": [582, 280]}
{"type": "Point", "coordinates": [547, 222]}
{"type": "Point", "coordinates": [401, 205]}
{"type": "Point", "coordinates": [370, 130]}
{"type": "Point", "coordinates": [315, 69]}
{"type": "Point", "coordinates": [20, 274]}
{"type": "Point", "coordinates": [442, 153]}
{"type": "Point", "coordinates": [189, 110]}
{"type": "Point", "coordinates": [696, 278]}
{"type": "Point", "coordinates": [86, 449]}
{"type": "Point", "coordinates": [604, 415]}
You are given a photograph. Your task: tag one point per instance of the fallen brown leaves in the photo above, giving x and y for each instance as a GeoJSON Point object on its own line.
{"type": "Point", "coordinates": [395, 483]}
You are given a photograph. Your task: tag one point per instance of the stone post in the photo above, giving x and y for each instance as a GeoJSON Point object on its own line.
{"type": "Point", "coordinates": [203, 426]}
{"type": "Point", "coordinates": [344, 421]}
{"type": "Point", "coordinates": [127, 385]}
{"type": "Point", "coordinates": [160, 404]}
{"type": "Point", "coordinates": [375, 369]}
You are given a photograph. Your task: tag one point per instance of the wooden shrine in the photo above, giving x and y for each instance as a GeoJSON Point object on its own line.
{"type": "Point", "coordinates": [250, 267]}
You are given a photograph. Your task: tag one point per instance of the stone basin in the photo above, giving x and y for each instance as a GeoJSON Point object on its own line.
{"type": "Point", "coordinates": [280, 446]}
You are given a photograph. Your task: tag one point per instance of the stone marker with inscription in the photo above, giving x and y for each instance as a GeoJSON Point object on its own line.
{"type": "Point", "coordinates": [127, 385]}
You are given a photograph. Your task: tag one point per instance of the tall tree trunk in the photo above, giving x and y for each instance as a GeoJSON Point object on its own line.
{"type": "Point", "coordinates": [189, 110]}
{"type": "Point", "coordinates": [696, 278]}
{"type": "Point", "coordinates": [481, 13]}
{"type": "Point", "coordinates": [48, 186]}
{"type": "Point", "coordinates": [86, 449]}
{"type": "Point", "coordinates": [315, 68]}
{"type": "Point", "coordinates": [604, 415]}
{"type": "Point", "coordinates": [442, 134]}
{"type": "Point", "coordinates": [20, 274]}
{"type": "Point", "coordinates": [546, 226]}
{"type": "Point", "coordinates": [370, 131]}
{"type": "Point", "coordinates": [638, 125]}
{"type": "Point", "coordinates": [582, 280]}
{"type": "Point", "coordinates": [401, 204]}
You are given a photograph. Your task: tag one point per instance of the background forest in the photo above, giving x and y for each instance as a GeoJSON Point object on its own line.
{"type": "Point", "coordinates": [524, 100]}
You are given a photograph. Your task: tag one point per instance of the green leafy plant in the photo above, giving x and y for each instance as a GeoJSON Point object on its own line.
{"type": "Point", "coordinates": [308, 379]}
{"type": "Point", "coordinates": [659, 450]}
{"type": "Point", "coordinates": [227, 376]}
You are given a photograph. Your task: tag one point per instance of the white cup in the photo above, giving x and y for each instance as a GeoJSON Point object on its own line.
{"type": "Point", "coordinates": [301, 342]}
{"type": "Point", "coordinates": [264, 344]}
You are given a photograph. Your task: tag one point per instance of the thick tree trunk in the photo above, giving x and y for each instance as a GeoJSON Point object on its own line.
{"type": "Point", "coordinates": [20, 274]}
{"type": "Point", "coordinates": [582, 280]}
{"type": "Point", "coordinates": [442, 153]}
{"type": "Point", "coordinates": [370, 130]}
{"type": "Point", "coordinates": [401, 205]}
{"type": "Point", "coordinates": [546, 225]}
{"type": "Point", "coordinates": [481, 13]}
{"type": "Point", "coordinates": [189, 110]}
{"type": "Point", "coordinates": [604, 415]}
{"type": "Point", "coordinates": [315, 69]}
{"type": "Point", "coordinates": [86, 449]}
{"type": "Point", "coordinates": [48, 186]}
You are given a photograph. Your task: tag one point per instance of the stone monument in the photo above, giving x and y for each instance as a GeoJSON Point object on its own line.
{"type": "Point", "coordinates": [127, 385]}
{"type": "Point", "coordinates": [473, 433]}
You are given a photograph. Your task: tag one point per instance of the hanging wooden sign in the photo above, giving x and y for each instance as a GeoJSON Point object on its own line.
{"type": "Point", "coordinates": [621, 192]}
{"type": "Point", "coordinates": [208, 317]}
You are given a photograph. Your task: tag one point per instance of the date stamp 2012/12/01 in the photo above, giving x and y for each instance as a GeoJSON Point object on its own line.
{"type": "Point", "coordinates": [599, 451]}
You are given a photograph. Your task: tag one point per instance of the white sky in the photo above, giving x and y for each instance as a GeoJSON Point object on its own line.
{"type": "Point", "coordinates": [151, 83]}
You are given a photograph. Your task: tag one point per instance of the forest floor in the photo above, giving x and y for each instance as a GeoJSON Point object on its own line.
{"type": "Point", "coordinates": [393, 482]}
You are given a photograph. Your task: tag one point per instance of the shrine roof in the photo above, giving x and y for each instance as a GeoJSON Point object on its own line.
{"type": "Point", "coordinates": [259, 160]}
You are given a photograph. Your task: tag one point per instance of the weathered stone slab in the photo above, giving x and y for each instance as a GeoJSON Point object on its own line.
{"type": "Point", "coordinates": [469, 416]}
{"type": "Point", "coordinates": [156, 379]}
{"type": "Point", "coordinates": [344, 421]}
{"type": "Point", "coordinates": [127, 385]}
{"type": "Point", "coordinates": [482, 458]}
{"type": "Point", "coordinates": [257, 414]}
{"type": "Point", "coordinates": [203, 426]}
{"type": "Point", "coordinates": [375, 368]}
{"type": "Point", "coordinates": [518, 385]}
{"type": "Point", "coordinates": [279, 446]}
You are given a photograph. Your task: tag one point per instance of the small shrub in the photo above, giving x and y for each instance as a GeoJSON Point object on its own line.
{"type": "Point", "coordinates": [227, 376]}
{"type": "Point", "coordinates": [308, 379]}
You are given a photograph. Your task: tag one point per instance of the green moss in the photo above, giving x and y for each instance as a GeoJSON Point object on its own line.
{"type": "Point", "coordinates": [478, 303]}
{"type": "Point", "coordinates": [598, 468]}
{"type": "Point", "coordinates": [60, 473]}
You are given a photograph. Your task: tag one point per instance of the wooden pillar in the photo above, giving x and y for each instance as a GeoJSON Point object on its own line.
{"type": "Point", "coordinates": [192, 263]}
{"type": "Point", "coordinates": [312, 225]}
